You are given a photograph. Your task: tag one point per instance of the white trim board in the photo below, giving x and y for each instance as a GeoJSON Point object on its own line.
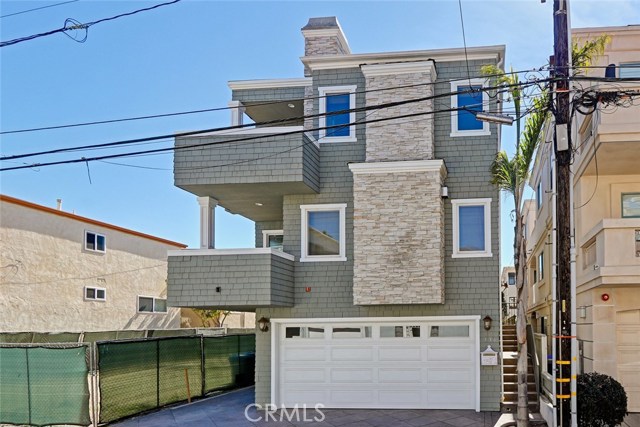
{"type": "Point", "coordinates": [240, 251]}
{"type": "Point", "coordinates": [268, 83]}
{"type": "Point", "coordinates": [399, 167]}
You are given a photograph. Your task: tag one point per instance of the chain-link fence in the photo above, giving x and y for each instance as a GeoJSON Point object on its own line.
{"type": "Point", "coordinates": [139, 375]}
{"type": "Point", "coordinates": [102, 381]}
{"type": "Point", "coordinates": [44, 384]}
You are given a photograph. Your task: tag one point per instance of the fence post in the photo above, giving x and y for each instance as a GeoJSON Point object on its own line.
{"type": "Point", "coordinates": [157, 373]}
{"type": "Point", "coordinates": [202, 368]}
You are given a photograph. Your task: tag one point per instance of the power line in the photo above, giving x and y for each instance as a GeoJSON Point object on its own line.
{"type": "Point", "coordinates": [207, 110]}
{"type": "Point", "coordinates": [266, 123]}
{"type": "Point", "coordinates": [79, 26]}
{"type": "Point", "coordinates": [38, 8]}
{"type": "Point", "coordinates": [464, 41]}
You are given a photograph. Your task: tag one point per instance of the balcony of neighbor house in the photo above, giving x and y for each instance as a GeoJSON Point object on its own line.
{"type": "Point", "coordinates": [610, 253]}
{"type": "Point", "coordinates": [246, 171]}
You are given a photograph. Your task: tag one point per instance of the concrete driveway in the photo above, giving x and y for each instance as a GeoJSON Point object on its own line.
{"type": "Point", "coordinates": [228, 410]}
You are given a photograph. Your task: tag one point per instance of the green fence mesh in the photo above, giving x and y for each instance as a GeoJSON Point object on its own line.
{"type": "Point", "coordinates": [220, 362]}
{"type": "Point", "coordinates": [44, 386]}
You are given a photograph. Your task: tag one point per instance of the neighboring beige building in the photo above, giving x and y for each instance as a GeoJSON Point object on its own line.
{"type": "Point", "coordinates": [64, 272]}
{"type": "Point", "coordinates": [606, 187]}
{"type": "Point", "coordinates": [508, 293]}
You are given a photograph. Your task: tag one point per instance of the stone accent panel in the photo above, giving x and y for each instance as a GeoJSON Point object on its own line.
{"type": "Point", "coordinates": [398, 228]}
{"type": "Point", "coordinates": [408, 138]}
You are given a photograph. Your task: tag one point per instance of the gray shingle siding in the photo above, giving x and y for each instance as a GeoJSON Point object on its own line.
{"type": "Point", "coordinates": [471, 283]}
{"type": "Point", "coordinates": [271, 94]}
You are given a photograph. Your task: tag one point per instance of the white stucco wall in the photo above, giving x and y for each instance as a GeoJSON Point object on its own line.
{"type": "Point", "coordinates": [45, 269]}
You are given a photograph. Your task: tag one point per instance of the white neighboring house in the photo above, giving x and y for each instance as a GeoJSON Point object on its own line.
{"type": "Point", "coordinates": [64, 272]}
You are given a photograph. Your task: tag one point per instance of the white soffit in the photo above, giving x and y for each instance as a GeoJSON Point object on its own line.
{"type": "Point", "coordinates": [268, 83]}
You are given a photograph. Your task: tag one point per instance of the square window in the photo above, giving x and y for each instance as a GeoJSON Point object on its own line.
{"type": "Point", "coordinates": [471, 228]}
{"type": "Point", "coordinates": [323, 232]}
{"type": "Point", "coordinates": [340, 100]}
{"type": "Point", "coordinates": [94, 242]}
{"type": "Point", "coordinates": [152, 305]}
{"type": "Point", "coordinates": [272, 239]}
{"type": "Point", "coordinates": [468, 98]}
{"type": "Point", "coordinates": [511, 279]}
{"type": "Point", "coordinates": [630, 205]}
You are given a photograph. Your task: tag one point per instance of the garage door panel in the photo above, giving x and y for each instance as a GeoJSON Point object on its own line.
{"type": "Point", "coordinates": [401, 398]}
{"type": "Point", "coordinates": [400, 375]}
{"type": "Point", "coordinates": [303, 396]}
{"type": "Point", "coordinates": [450, 375]}
{"type": "Point", "coordinates": [351, 396]}
{"type": "Point", "coordinates": [304, 375]}
{"type": "Point", "coordinates": [450, 399]}
{"type": "Point", "coordinates": [399, 354]}
{"type": "Point", "coordinates": [306, 354]}
{"type": "Point", "coordinates": [351, 375]}
{"type": "Point", "coordinates": [450, 353]}
{"type": "Point", "coordinates": [364, 354]}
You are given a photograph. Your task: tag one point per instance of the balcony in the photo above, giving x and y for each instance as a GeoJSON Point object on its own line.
{"type": "Point", "coordinates": [610, 253]}
{"type": "Point", "coordinates": [249, 171]}
{"type": "Point", "coordinates": [234, 279]}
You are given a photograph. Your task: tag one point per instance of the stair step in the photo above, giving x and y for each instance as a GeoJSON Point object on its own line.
{"type": "Point", "coordinates": [513, 387]}
{"type": "Point", "coordinates": [513, 378]}
{"type": "Point", "coordinates": [513, 407]}
{"type": "Point", "coordinates": [506, 370]}
{"type": "Point", "coordinates": [512, 396]}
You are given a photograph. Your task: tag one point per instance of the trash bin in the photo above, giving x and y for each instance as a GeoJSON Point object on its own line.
{"type": "Point", "coordinates": [246, 369]}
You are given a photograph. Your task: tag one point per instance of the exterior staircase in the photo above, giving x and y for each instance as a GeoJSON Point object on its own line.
{"type": "Point", "coordinates": [509, 375]}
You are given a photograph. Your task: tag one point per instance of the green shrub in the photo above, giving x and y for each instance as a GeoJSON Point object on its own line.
{"type": "Point", "coordinates": [602, 401]}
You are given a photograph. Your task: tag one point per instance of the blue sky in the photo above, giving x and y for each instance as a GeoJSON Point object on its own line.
{"type": "Point", "coordinates": [179, 58]}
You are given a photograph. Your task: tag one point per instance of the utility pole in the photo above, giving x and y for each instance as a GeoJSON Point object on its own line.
{"type": "Point", "coordinates": [562, 146]}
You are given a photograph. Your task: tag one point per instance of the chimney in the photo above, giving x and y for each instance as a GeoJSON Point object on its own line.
{"type": "Point", "coordinates": [59, 203]}
{"type": "Point", "coordinates": [324, 36]}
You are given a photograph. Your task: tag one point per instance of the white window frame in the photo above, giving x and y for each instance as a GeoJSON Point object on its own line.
{"type": "Point", "coordinates": [153, 308]}
{"type": "Point", "coordinates": [96, 289]}
{"type": "Point", "coordinates": [322, 108]}
{"type": "Point", "coordinates": [267, 233]}
{"type": "Point", "coordinates": [454, 105]}
{"type": "Point", "coordinates": [455, 205]}
{"type": "Point", "coordinates": [539, 195]}
{"type": "Point", "coordinates": [304, 210]}
{"type": "Point", "coordinates": [86, 232]}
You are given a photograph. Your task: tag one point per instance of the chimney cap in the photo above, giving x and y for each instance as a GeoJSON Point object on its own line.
{"type": "Point", "coordinates": [322, 23]}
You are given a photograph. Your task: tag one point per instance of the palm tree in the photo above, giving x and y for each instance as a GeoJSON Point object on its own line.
{"type": "Point", "coordinates": [511, 175]}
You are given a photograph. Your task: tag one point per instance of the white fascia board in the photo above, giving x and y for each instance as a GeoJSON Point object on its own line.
{"type": "Point", "coordinates": [308, 320]}
{"type": "Point", "coordinates": [400, 68]}
{"type": "Point", "coordinates": [400, 167]}
{"type": "Point", "coordinates": [241, 251]}
{"type": "Point", "coordinates": [437, 55]}
{"type": "Point", "coordinates": [269, 83]}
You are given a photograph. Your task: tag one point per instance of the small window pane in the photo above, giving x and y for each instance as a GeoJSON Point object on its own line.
{"type": "Point", "coordinates": [471, 101]}
{"type": "Point", "coordinates": [449, 331]}
{"type": "Point", "coordinates": [412, 331]}
{"type": "Point", "coordinates": [275, 241]}
{"type": "Point", "coordinates": [100, 245]}
{"type": "Point", "coordinates": [100, 294]}
{"type": "Point", "coordinates": [90, 241]}
{"type": "Point", "coordinates": [352, 332]}
{"type": "Point", "coordinates": [630, 69]}
{"type": "Point", "coordinates": [160, 305]}
{"type": "Point", "coordinates": [304, 332]}
{"type": "Point", "coordinates": [323, 233]}
{"type": "Point", "coordinates": [90, 293]}
{"type": "Point", "coordinates": [391, 332]}
{"type": "Point", "coordinates": [631, 205]}
{"type": "Point", "coordinates": [512, 279]}
{"type": "Point", "coordinates": [145, 304]}
{"type": "Point", "coordinates": [471, 234]}
{"type": "Point", "coordinates": [337, 102]}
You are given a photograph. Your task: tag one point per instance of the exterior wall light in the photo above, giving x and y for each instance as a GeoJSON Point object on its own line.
{"type": "Point", "coordinates": [263, 324]}
{"type": "Point", "coordinates": [487, 322]}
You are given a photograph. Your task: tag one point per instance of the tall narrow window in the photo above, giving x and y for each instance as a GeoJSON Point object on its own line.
{"type": "Point", "coordinates": [471, 228]}
{"type": "Point", "coordinates": [468, 99]}
{"type": "Point", "coordinates": [541, 266]}
{"type": "Point", "coordinates": [336, 106]}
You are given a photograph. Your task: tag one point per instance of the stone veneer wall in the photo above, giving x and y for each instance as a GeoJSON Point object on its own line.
{"type": "Point", "coordinates": [409, 138]}
{"type": "Point", "coordinates": [398, 227]}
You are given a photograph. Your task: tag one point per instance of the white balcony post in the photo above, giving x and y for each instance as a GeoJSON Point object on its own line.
{"type": "Point", "coordinates": [237, 113]}
{"type": "Point", "coordinates": [207, 222]}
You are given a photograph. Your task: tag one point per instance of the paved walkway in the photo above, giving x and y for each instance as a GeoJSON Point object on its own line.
{"type": "Point", "coordinates": [228, 410]}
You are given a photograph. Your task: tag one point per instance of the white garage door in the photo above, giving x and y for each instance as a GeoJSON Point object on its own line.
{"type": "Point", "coordinates": [416, 363]}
